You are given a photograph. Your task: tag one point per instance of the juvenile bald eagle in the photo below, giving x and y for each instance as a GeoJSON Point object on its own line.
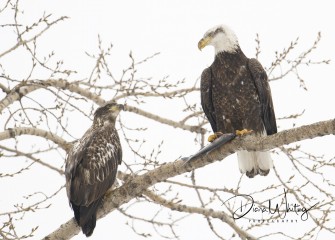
{"type": "Point", "coordinates": [91, 166]}
{"type": "Point", "coordinates": [235, 95]}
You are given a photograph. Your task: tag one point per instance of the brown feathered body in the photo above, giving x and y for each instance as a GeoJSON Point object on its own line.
{"type": "Point", "coordinates": [235, 101]}
{"type": "Point", "coordinates": [91, 168]}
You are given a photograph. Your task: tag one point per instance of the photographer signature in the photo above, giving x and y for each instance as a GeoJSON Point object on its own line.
{"type": "Point", "coordinates": [247, 205]}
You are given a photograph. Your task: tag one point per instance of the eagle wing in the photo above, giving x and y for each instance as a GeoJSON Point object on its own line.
{"type": "Point", "coordinates": [206, 97]}
{"type": "Point", "coordinates": [264, 93]}
{"type": "Point", "coordinates": [92, 164]}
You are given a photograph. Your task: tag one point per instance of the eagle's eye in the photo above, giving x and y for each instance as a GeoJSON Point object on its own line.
{"type": "Point", "coordinates": [218, 30]}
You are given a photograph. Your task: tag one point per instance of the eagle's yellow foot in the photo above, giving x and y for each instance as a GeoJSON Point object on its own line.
{"type": "Point", "coordinates": [243, 132]}
{"type": "Point", "coordinates": [214, 136]}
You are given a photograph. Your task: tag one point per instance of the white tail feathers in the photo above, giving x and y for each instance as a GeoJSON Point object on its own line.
{"type": "Point", "coordinates": [253, 163]}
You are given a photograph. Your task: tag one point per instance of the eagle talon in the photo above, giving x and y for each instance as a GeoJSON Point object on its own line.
{"type": "Point", "coordinates": [214, 136]}
{"type": "Point", "coordinates": [243, 132]}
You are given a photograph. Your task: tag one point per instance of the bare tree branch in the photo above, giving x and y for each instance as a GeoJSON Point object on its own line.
{"type": "Point", "coordinates": [27, 87]}
{"type": "Point", "coordinates": [22, 42]}
{"type": "Point", "coordinates": [203, 211]}
{"type": "Point", "coordinates": [30, 156]}
{"type": "Point", "coordinates": [13, 132]}
{"type": "Point", "coordinates": [138, 184]}
{"type": "Point", "coordinates": [24, 111]}
{"type": "Point", "coordinates": [180, 125]}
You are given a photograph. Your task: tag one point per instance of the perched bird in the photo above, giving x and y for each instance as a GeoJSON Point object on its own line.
{"type": "Point", "coordinates": [236, 97]}
{"type": "Point", "coordinates": [91, 166]}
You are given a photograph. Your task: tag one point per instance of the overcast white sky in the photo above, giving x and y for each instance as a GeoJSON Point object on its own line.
{"type": "Point", "coordinates": [174, 28]}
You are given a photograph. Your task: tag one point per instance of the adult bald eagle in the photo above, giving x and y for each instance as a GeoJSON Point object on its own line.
{"type": "Point", "coordinates": [235, 95]}
{"type": "Point", "coordinates": [91, 166]}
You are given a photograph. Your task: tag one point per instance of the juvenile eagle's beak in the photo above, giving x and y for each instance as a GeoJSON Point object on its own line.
{"type": "Point", "coordinates": [121, 106]}
{"type": "Point", "coordinates": [204, 42]}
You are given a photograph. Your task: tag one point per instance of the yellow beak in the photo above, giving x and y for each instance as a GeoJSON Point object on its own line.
{"type": "Point", "coordinates": [204, 42]}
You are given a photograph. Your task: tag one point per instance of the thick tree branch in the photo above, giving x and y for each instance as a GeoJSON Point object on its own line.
{"type": "Point", "coordinates": [27, 87]}
{"type": "Point", "coordinates": [13, 132]}
{"type": "Point", "coordinates": [138, 184]}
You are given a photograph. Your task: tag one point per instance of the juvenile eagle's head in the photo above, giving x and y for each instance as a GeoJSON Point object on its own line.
{"type": "Point", "coordinates": [221, 37]}
{"type": "Point", "coordinates": [107, 113]}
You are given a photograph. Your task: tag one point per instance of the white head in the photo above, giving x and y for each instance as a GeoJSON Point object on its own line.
{"type": "Point", "coordinates": [221, 37]}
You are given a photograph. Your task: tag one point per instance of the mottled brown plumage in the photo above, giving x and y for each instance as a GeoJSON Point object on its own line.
{"type": "Point", "coordinates": [91, 166]}
{"type": "Point", "coordinates": [235, 95]}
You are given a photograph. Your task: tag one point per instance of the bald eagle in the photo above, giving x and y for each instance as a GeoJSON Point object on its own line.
{"type": "Point", "coordinates": [91, 166]}
{"type": "Point", "coordinates": [235, 95]}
